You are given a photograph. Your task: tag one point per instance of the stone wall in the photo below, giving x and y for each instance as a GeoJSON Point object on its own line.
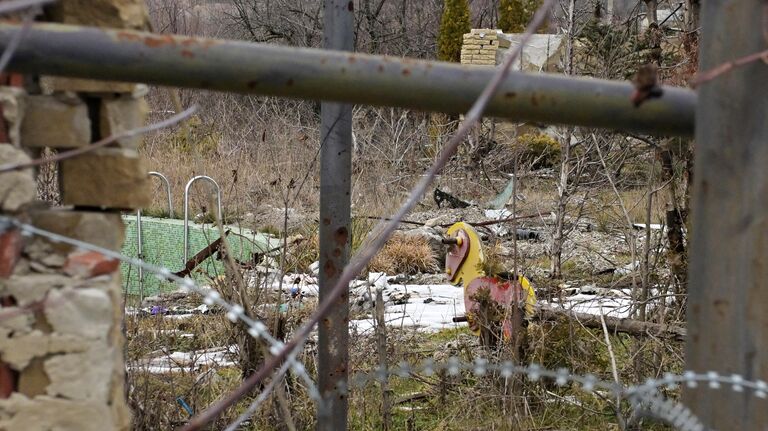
{"type": "Point", "coordinates": [61, 364]}
{"type": "Point", "coordinates": [483, 47]}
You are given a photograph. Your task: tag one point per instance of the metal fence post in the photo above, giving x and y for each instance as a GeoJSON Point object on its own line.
{"type": "Point", "coordinates": [728, 295]}
{"type": "Point", "coordinates": [335, 185]}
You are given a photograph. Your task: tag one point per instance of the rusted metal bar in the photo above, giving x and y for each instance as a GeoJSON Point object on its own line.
{"type": "Point", "coordinates": [341, 76]}
{"type": "Point", "coordinates": [727, 295]}
{"type": "Point", "coordinates": [335, 216]}
{"type": "Point", "coordinates": [200, 256]}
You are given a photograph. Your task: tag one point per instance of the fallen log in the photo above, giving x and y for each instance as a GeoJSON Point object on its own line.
{"type": "Point", "coordinates": [614, 324]}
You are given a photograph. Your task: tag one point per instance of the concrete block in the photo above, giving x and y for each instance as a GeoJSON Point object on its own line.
{"type": "Point", "coordinates": [122, 114]}
{"type": "Point", "coordinates": [12, 105]}
{"type": "Point", "coordinates": [52, 122]}
{"type": "Point", "coordinates": [107, 178]}
{"type": "Point", "coordinates": [10, 251]}
{"type": "Point", "coordinates": [104, 229]}
{"type": "Point", "coordinates": [83, 312]}
{"type": "Point", "coordinates": [131, 14]}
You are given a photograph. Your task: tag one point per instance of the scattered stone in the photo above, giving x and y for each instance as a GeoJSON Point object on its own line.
{"type": "Point", "coordinates": [314, 268]}
{"type": "Point", "coordinates": [399, 298]}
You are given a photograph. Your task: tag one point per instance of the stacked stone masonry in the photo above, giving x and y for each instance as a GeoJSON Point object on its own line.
{"type": "Point", "coordinates": [482, 47]}
{"type": "Point", "coordinates": [61, 364]}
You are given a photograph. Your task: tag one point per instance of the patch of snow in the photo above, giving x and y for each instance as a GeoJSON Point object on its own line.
{"type": "Point", "coordinates": [443, 303]}
{"type": "Point", "coordinates": [187, 361]}
{"type": "Point", "coordinates": [499, 229]}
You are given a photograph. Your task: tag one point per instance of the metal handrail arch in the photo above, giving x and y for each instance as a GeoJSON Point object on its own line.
{"type": "Point", "coordinates": [186, 209]}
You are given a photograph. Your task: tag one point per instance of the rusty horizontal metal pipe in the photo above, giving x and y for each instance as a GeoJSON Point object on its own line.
{"type": "Point", "coordinates": [243, 67]}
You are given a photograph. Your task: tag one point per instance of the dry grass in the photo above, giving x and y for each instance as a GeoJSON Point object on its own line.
{"type": "Point", "coordinates": [404, 254]}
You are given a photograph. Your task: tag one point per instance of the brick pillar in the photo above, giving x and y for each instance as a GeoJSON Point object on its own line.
{"type": "Point", "coordinates": [483, 47]}
{"type": "Point", "coordinates": [61, 362]}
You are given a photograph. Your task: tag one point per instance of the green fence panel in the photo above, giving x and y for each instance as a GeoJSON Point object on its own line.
{"type": "Point", "coordinates": [163, 245]}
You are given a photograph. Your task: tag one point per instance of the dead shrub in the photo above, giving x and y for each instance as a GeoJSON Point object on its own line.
{"type": "Point", "coordinates": [404, 254]}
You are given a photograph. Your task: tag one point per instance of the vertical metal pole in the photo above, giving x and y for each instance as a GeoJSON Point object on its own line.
{"type": "Point", "coordinates": [140, 255]}
{"type": "Point", "coordinates": [728, 290]}
{"type": "Point", "coordinates": [335, 184]}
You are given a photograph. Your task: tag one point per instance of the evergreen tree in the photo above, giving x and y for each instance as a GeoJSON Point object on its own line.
{"type": "Point", "coordinates": [514, 15]}
{"type": "Point", "coordinates": [453, 25]}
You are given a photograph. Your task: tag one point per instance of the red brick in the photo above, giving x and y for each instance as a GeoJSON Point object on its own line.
{"type": "Point", "coordinates": [89, 264]}
{"type": "Point", "coordinates": [10, 251]}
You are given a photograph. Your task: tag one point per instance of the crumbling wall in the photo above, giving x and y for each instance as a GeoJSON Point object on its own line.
{"type": "Point", "coordinates": [61, 363]}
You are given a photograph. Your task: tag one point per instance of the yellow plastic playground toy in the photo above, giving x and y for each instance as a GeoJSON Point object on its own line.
{"type": "Point", "coordinates": [495, 307]}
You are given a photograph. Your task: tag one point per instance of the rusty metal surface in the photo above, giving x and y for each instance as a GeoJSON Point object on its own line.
{"type": "Point", "coordinates": [727, 295]}
{"type": "Point", "coordinates": [456, 255]}
{"type": "Point", "coordinates": [335, 216]}
{"type": "Point", "coordinates": [341, 76]}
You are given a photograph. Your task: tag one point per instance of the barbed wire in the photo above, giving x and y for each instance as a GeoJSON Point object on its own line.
{"type": "Point", "coordinates": [644, 396]}
{"type": "Point", "coordinates": [381, 234]}
{"type": "Point", "coordinates": [233, 312]}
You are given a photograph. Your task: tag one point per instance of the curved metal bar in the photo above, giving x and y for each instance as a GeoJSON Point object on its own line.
{"type": "Point", "coordinates": [186, 209]}
{"type": "Point", "coordinates": [139, 240]}
{"type": "Point", "coordinates": [167, 188]}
